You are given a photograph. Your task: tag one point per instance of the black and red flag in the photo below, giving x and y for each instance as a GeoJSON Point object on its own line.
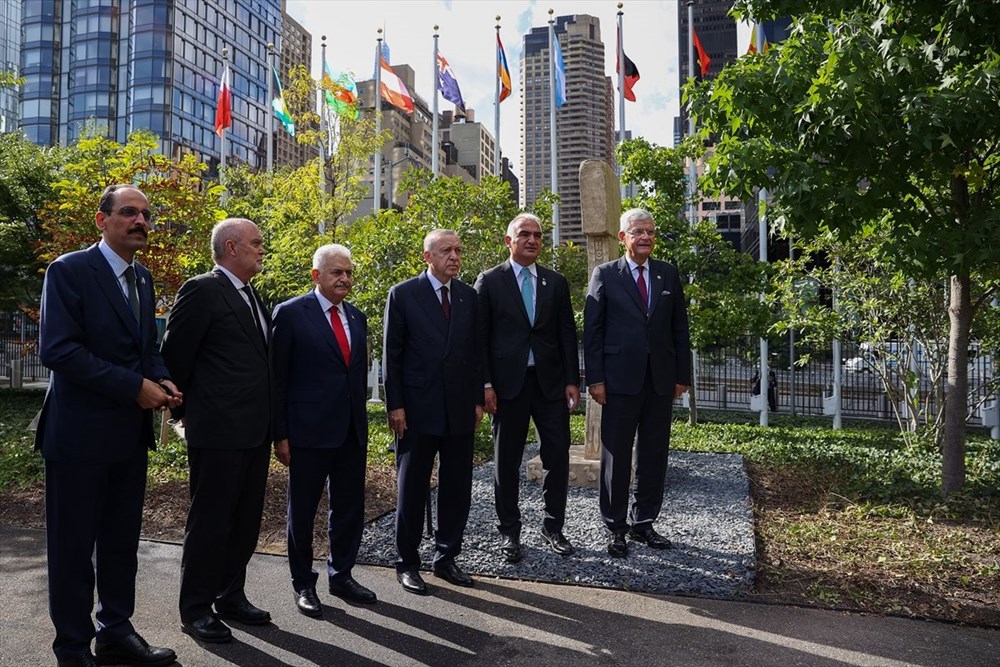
{"type": "Point", "coordinates": [631, 74]}
{"type": "Point", "coordinates": [704, 62]}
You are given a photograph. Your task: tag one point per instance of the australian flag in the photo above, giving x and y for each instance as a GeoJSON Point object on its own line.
{"type": "Point", "coordinates": [448, 84]}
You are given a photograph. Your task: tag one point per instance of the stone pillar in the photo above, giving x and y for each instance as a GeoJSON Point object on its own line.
{"type": "Point", "coordinates": [601, 204]}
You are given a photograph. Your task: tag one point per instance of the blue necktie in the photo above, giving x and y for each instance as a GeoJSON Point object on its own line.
{"type": "Point", "coordinates": [528, 294]}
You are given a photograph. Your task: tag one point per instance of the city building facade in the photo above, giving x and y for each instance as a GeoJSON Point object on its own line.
{"type": "Point", "coordinates": [116, 66]}
{"type": "Point", "coordinates": [584, 125]}
{"type": "Point", "coordinates": [10, 59]}
{"type": "Point", "coordinates": [296, 49]}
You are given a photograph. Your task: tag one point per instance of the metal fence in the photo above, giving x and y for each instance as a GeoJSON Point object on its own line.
{"type": "Point", "coordinates": [19, 342]}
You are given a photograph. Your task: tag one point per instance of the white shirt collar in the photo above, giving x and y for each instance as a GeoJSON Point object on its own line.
{"type": "Point", "coordinates": [325, 303]}
{"type": "Point", "coordinates": [118, 265]}
{"type": "Point", "coordinates": [237, 283]}
{"type": "Point", "coordinates": [532, 269]}
{"type": "Point", "coordinates": [632, 265]}
{"type": "Point", "coordinates": [437, 284]}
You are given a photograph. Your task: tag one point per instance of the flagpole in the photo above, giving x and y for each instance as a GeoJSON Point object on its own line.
{"type": "Point", "coordinates": [496, 109]}
{"type": "Point", "coordinates": [270, 111]}
{"type": "Point", "coordinates": [222, 137]}
{"type": "Point", "coordinates": [762, 255]}
{"type": "Point", "coordinates": [693, 203]}
{"type": "Point", "coordinates": [552, 129]}
{"type": "Point", "coordinates": [321, 111]}
{"type": "Point", "coordinates": [435, 124]}
{"type": "Point", "coordinates": [377, 183]}
{"type": "Point", "coordinates": [621, 93]}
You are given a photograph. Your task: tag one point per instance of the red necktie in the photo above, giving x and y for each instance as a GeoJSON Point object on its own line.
{"type": "Point", "coordinates": [338, 331]}
{"type": "Point", "coordinates": [445, 303]}
{"type": "Point", "coordinates": [643, 291]}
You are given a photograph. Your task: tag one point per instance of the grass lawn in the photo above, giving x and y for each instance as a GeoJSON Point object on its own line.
{"type": "Point", "coordinates": [850, 519]}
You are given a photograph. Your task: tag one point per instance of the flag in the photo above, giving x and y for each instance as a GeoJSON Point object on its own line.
{"type": "Point", "coordinates": [448, 84]}
{"type": "Point", "coordinates": [224, 108]}
{"type": "Point", "coordinates": [704, 61]}
{"type": "Point", "coordinates": [340, 92]}
{"type": "Point", "coordinates": [502, 72]}
{"type": "Point", "coordinates": [394, 90]}
{"type": "Point", "coordinates": [560, 72]}
{"type": "Point", "coordinates": [753, 41]}
{"type": "Point", "coordinates": [631, 72]}
{"type": "Point", "coordinates": [278, 104]}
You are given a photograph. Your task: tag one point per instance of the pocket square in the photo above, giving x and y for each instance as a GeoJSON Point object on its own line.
{"type": "Point", "coordinates": [664, 293]}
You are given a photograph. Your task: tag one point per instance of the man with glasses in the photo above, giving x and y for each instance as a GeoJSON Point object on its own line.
{"type": "Point", "coordinates": [638, 360]}
{"type": "Point", "coordinates": [98, 337]}
{"type": "Point", "coordinates": [216, 346]}
{"type": "Point", "coordinates": [532, 372]}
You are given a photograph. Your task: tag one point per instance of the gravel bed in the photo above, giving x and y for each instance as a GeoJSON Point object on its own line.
{"type": "Point", "coordinates": [706, 514]}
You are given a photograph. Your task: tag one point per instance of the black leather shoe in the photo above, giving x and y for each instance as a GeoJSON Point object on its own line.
{"type": "Point", "coordinates": [208, 629]}
{"type": "Point", "coordinates": [617, 546]}
{"type": "Point", "coordinates": [308, 602]}
{"type": "Point", "coordinates": [132, 650]}
{"type": "Point", "coordinates": [558, 542]}
{"type": "Point", "coordinates": [649, 536]}
{"type": "Point", "coordinates": [452, 573]}
{"type": "Point", "coordinates": [82, 659]}
{"type": "Point", "coordinates": [243, 612]}
{"type": "Point", "coordinates": [412, 582]}
{"type": "Point", "coordinates": [510, 547]}
{"type": "Point", "coordinates": [350, 589]}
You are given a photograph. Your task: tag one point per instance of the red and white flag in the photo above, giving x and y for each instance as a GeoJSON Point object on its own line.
{"type": "Point", "coordinates": [224, 109]}
{"type": "Point", "coordinates": [394, 91]}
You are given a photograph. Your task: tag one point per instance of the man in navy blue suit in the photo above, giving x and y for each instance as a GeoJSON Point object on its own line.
{"type": "Point", "coordinates": [434, 400]}
{"type": "Point", "coordinates": [320, 357]}
{"type": "Point", "coordinates": [98, 337]}
{"type": "Point", "coordinates": [637, 354]}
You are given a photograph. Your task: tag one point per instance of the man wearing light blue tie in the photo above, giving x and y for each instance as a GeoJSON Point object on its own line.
{"type": "Point", "coordinates": [532, 372]}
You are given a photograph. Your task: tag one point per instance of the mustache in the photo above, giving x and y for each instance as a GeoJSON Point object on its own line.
{"type": "Point", "coordinates": [140, 229]}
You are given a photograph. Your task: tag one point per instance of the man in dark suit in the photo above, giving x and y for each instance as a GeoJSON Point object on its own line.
{"type": "Point", "coordinates": [531, 371]}
{"type": "Point", "coordinates": [321, 424]}
{"type": "Point", "coordinates": [637, 354]}
{"type": "Point", "coordinates": [434, 399]}
{"type": "Point", "coordinates": [98, 337]}
{"type": "Point", "coordinates": [216, 347]}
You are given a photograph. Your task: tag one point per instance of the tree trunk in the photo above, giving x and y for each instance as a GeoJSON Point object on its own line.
{"type": "Point", "coordinates": [956, 397]}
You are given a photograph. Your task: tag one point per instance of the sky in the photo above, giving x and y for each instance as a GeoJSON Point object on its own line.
{"type": "Point", "coordinates": [467, 40]}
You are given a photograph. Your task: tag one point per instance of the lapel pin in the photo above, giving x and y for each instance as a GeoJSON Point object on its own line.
{"type": "Point", "coordinates": [543, 282]}
{"type": "Point", "coordinates": [659, 277]}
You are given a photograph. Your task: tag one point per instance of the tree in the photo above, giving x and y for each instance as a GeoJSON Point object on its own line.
{"type": "Point", "coordinates": [26, 176]}
{"type": "Point", "coordinates": [185, 205]}
{"type": "Point", "coordinates": [876, 111]}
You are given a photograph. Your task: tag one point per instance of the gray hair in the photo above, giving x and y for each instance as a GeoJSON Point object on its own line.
{"type": "Point", "coordinates": [230, 229]}
{"type": "Point", "coordinates": [522, 216]}
{"type": "Point", "coordinates": [634, 215]}
{"type": "Point", "coordinates": [328, 251]}
{"type": "Point", "coordinates": [435, 235]}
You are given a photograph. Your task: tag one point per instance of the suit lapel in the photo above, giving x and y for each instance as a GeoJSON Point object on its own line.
{"type": "Point", "coordinates": [628, 282]}
{"type": "Point", "coordinates": [315, 314]}
{"type": "Point", "coordinates": [509, 277]}
{"type": "Point", "coordinates": [429, 302]}
{"type": "Point", "coordinates": [359, 346]}
{"type": "Point", "coordinates": [656, 283]}
{"type": "Point", "coordinates": [112, 290]}
{"type": "Point", "coordinates": [235, 302]}
{"type": "Point", "coordinates": [542, 294]}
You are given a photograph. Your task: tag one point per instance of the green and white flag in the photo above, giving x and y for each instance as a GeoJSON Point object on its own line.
{"type": "Point", "coordinates": [278, 104]}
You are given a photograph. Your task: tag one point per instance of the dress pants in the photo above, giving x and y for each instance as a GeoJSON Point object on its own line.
{"type": "Point", "coordinates": [342, 471]}
{"type": "Point", "coordinates": [648, 414]}
{"type": "Point", "coordinates": [227, 500]}
{"type": "Point", "coordinates": [510, 430]}
{"type": "Point", "coordinates": [414, 462]}
{"type": "Point", "coordinates": [93, 515]}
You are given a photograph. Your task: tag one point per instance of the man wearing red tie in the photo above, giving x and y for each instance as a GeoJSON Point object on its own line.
{"type": "Point", "coordinates": [321, 424]}
{"type": "Point", "coordinates": [638, 359]}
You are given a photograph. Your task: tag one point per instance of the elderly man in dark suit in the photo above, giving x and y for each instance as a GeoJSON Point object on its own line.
{"type": "Point", "coordinates": [532, 372]}
{"type": "Point", "coordinates": [216, 347]}
{"type": "Point", "coordinates": [434, 399]}
{"type": "Point", "coordinates": [98, 337]}
{"type": "Point", "coordinates": [638, 359]}
{"type": "Point", "coordinates": [321, 424]}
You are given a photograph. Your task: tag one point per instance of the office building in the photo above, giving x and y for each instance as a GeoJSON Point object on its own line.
{"type": "Point", "coordinates": [10, 58]}
{"type": "Point", "coordinates": [717, 33]}
{"type": "Point", "coordinates": [584, 125]}
{"type": "Point", "coordinates": [122, 65]}
{"type": "Point", "coordinates": [296, 49]}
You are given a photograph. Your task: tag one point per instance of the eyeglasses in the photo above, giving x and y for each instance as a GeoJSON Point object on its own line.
{"type": "Point", "coordinates": [640, 233]}
{"type": "Point", "coordinates": [132, 212]}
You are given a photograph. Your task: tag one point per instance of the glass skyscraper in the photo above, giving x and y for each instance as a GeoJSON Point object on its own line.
{"type": "Point", "coordinates": [10, 46]}
{"type": "Point", "coordinates": [125, 65]}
